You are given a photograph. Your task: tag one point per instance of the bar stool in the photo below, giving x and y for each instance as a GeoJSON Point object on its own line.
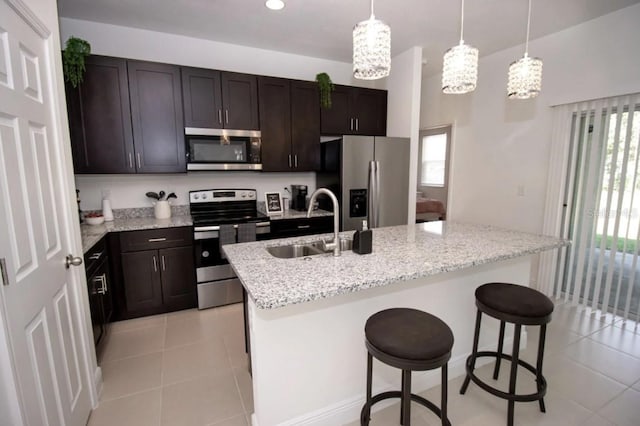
{"type": "Point", "coordinates": [410, 340]}
{"type": "Point", "coordinates": [520, 306]}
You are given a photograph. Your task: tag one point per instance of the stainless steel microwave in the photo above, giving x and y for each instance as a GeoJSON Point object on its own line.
{"type": "Point", "coordinates": [223, 149]}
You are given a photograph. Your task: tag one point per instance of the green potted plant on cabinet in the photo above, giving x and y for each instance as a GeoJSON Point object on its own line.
{"type": "Point", "coordinates": [73, 56]}
{"type": "Point", "coordinates": [325, 86]}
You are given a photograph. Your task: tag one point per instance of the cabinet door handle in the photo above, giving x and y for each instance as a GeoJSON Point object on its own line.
{"type": "Point", "coordinates": [357, 123]}
{"type": "Point", "coordinates": [295, 160]}
{"type": "Point", "coordinates": [226, 116]}
{"type": "Point", "coordinates": [351, 124]}
{"type": "Point", "coordinates": [289, 160]}
{"type": "Point", "coordinates": [97, 285]}
{"type": "Point", "coordinates": [96, 256]}
{"type": "Point", "coordinates": [138, 158]}
{"type": "Point", "coordinates": [155, 264]}
{"type": "Point", "coordinates": [102, 280]}
{"type": "Point", "coordinates": [130, 160]}
{"type": "Point", "coordinates": [220, 116]}
{"type": "Point", "coordinates": [304, 226]}
{"type": "Point", "coordinates": [164, 266]}
{"type": "Point", "coordinates": [156, 240]}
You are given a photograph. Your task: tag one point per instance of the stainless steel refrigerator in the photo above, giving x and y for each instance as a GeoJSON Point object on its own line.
{"type": "Point", "coordinates": [370, 177]}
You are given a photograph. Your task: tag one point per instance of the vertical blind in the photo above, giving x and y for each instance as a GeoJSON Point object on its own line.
{"type": "Point", "coordinates": [593, 198]}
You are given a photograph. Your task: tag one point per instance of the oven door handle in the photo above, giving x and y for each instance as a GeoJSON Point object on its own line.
{"type": "Point", "coordinates": [217, 228]}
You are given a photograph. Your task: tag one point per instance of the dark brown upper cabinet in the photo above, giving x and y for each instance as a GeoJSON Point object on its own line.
{"type": "Point", "coordinates": [305, 125]}
{"type": "Point", "coordinates": [100, 118]}
{"type": "Point", "coordinates": [156, 115]}
{"type": "Point", "coordinates": [126, 117]}
{"type": "Point", "coordinates": [219, 99]}
{"type": "Point", "coordinates": [290, 124]}
{"type": "Point", "coordinates": [355, 111]}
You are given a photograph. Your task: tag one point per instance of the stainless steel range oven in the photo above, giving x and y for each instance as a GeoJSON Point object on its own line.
{"type": "Point", "coordinates": [222, 216]}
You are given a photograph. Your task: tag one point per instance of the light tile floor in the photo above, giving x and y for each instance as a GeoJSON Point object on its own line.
{"type": "Point", "coordinates": [189, 368]}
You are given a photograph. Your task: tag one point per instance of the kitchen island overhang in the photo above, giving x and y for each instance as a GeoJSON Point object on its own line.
{"type": "Point", "coordinates": [306, 317]}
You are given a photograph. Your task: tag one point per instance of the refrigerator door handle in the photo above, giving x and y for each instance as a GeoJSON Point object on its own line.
{"type": "Point", "coordinates": [373, 172]}
{"type": "Point", "coordinates": [376, 206]}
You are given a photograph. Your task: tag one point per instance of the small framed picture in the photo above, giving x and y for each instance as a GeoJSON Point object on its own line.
{"type": "Point", "coordinates": [273, 201]}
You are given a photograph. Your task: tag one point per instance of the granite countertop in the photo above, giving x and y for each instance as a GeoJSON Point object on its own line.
{"type": "Point", "coordinates": [400, 253]}
{"type": "Point", "coordinates": [91, 234]}
{"type": "Point", "coordinates": [142, 218]}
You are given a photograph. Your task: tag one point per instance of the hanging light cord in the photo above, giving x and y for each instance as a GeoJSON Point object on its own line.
{"type": "Point", "coordinates": [462, 24]}
{"type": "Point", "coordinates": [526, 45]}
{"type": "Point", "coordinates": [372, 15]}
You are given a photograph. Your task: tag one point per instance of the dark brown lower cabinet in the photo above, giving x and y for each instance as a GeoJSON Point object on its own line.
{"type": "Point", "coordinates": [142, 281]}
{"type": "Point", "coordinates": [99, 289]}
{"type": "Point", "coordinates": [156, 280]}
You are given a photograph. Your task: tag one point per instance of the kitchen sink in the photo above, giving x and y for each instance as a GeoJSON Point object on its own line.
{"type": "Point", "coordinates": [303, 250]}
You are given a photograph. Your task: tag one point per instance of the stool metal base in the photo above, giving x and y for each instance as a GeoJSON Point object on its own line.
{"type": "Point", "coordinates": [542, 383]}
{"type": "Point", "coordinates": [366, 409]}
{"type": "Point", "coordinates": [511, 396]}
{"type": "Point", "coordinates": [405, 395]}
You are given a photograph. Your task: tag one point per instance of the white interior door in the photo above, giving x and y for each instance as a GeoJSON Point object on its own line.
{"type": "Point", "coordinates": [38, 294]}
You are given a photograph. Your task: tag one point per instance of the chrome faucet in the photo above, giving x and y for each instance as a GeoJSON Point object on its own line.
{"type": "Point", "coordinates": [335, 245]}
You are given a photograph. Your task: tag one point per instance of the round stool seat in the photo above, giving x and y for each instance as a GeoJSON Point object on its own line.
{"type": "Point", "coordinates": [409, 334]}
{"type": "Point", "coordinates": [514, 300]}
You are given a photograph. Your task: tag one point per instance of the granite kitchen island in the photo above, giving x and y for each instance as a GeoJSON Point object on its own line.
{"type": "Point", "coordinates": [307, 315]}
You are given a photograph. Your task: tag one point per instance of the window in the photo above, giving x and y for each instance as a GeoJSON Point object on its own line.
{"type": "Point", "coordinates": [433, 157]}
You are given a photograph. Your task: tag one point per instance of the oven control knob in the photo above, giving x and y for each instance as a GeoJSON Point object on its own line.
{"type": "Point", "coordinates": [196, 196]}
{"type": "Point", "coordinates": [243, 195]}
{"type": "Point", "coordinates": [252, 195]}
{"type": "Point", "coordinates": [204, 196]}
{"type": "Point", "coordinates": [205, 254]}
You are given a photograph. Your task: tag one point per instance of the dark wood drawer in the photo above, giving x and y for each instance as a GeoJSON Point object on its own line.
{"type": "Point", "coordinates": [151, 239]}
{"type": "Point", "coordinates": [95, 255]}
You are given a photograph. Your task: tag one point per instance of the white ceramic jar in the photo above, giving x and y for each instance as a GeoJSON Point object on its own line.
{"type": "Point", "coordinates": [162, 210]}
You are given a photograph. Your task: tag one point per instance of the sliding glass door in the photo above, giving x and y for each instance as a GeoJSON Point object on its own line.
{"type": "Point", "coordinates": [603, 208]}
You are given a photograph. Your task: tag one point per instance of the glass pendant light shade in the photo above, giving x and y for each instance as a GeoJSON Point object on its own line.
{"type": "Point", "coordinates": [371, 49]}
{"type": "Point", "coordinates": [525, 74]}
{"type": "Point", "coordinates": [460, 65]}
{"type": "Point", "coordinates": [525, 78]}
{"type": "Point", "coordinates": [460, 69]}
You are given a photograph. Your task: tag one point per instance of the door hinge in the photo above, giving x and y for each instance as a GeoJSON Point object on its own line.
{"type": "Point", "coordinates": [3, 272]}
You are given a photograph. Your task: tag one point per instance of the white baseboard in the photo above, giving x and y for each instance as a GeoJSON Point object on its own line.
{"type": "Point", "coordinates": [348, 411]}
{"type": "Point", "coordinates": [98, 382]}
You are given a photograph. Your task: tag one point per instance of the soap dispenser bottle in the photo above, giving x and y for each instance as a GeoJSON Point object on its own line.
{"type": "Point", "coordinates": [363, 240]}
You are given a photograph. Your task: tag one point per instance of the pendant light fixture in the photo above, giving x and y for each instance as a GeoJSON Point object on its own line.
{"type": "Point", "coordinates": [371, 49]}
{"type": "Point", "coordinates": [460, 67]}
{"type": "Point", "coordinates": [525, 74]}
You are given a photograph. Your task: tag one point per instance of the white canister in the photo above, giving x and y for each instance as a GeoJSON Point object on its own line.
{"type": "Point", "coordinates": [162, 210]}
{"type": "Point", "coordinates": [106, 210]}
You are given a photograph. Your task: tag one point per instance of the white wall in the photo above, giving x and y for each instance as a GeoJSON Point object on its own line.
{"type": "Point", "coordinates": [403, 110]}
{"type": "Point", "coordinates": [112, 40]}
{"type": "Point", "coordinates": [501, 146]}
{"type": "Point", "coordinates": [128, 190]}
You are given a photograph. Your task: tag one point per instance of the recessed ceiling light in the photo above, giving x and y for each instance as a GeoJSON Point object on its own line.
{"type": "Point", "coordinates": [274, 4]}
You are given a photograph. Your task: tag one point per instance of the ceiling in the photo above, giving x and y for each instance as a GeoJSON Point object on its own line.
{"type": "Point", "coordinates": [322, 28]}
